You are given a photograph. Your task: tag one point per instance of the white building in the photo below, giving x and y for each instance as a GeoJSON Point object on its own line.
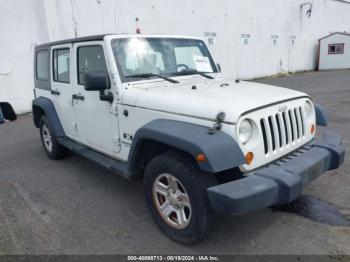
{"type": "Point", "coordinates": [249, 38]}
{"type": "Point", "coordinates": [334, 51]}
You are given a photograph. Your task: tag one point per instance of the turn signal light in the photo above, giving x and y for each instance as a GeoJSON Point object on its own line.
{"type": "Point", "coordinates": [249, 158]}
{"type": "Point", "coordinates": [312, 129]}
{"type": "Point", "coordinates": [201, 158]}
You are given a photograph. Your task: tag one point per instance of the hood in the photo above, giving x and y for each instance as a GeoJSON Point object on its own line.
{"type": "Point", "coordinates": [209, 98]}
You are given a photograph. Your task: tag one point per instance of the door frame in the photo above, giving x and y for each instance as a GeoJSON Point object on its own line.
{"type": "Point", "coordinates": [68, 121]}
{"type": "Point", "coordinates": [78, 88]}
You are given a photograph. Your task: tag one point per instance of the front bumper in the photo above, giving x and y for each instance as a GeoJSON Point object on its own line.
{"type": "Point", "coordinates": [282, 181]}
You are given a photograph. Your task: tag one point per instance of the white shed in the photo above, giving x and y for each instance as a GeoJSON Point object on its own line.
{"type": "Point", "coordinates": [334, 51]}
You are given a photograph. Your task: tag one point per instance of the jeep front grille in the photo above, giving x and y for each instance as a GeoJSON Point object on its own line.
{"type": "Point", "coordinates": [282, 129]}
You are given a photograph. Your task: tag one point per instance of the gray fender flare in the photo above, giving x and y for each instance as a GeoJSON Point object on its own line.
{"type": "Point", "coordinates": [49, 109]}
{"type": "Point", "coordinates": [321, 116]}
{"type": "Point", "coordinates": [221, 150]}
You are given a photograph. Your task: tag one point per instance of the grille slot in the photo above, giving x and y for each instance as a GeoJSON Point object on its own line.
{"type": "Point", "coordinates": [279, 130]}
{"type": "Point", "coordinates": [301, 112]}
{"type": "Point", "coordinates": [262, 123]}
{"type": "Point", "coordinates": [292, 124]}
{"type": "Point", "coordinates": [282, 129]}
{"type": "Point", "coordinates": [286, 127]}
{"type": "Point", "coordinates": [272, 132]}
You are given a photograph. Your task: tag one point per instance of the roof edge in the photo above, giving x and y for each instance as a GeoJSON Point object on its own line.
{"type": "Point", "coordinates": [341, 33]}
{"type": "Point", "coordinates": [102, 37]}
{"type": "Point", "coordinates": [73, 40]}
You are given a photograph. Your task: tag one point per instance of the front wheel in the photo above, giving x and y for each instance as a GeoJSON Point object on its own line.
{"type": "Point", "coordinates": [175, 192]}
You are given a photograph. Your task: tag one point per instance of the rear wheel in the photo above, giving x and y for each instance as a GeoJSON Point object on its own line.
{"type": "Point", "coordinates": [52, 148]}
{"type": "Point", "coordinates": [175, 192]}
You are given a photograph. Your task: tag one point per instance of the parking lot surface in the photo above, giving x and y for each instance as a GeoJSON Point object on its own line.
{"type": "Point", "coordinates": [73, 206]}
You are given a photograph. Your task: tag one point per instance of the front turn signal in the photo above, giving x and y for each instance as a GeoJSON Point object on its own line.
{"type": "Point", "coordinates": [201, 158]}
{"type": "Point", "coordinates": [249, 158]}
{"type": "Point", "coordinates": [312, 129]}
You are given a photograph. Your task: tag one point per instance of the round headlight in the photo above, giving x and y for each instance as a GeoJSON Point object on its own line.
{"type": "Point", "coordinates": [245, 131]}
{"type": "Point", "coordinates": [308, 109]}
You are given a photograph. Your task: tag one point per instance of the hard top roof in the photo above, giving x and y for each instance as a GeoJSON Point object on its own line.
{"type": "Point", "coordinates": [101, 37]}
{"type": "Point", "coordinates": [74, 40]}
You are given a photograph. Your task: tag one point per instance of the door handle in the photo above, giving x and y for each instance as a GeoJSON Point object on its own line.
{"type": "Point", "coordinates": [55, 92]}
{"type": "Point", "coordinates": [78, 97]}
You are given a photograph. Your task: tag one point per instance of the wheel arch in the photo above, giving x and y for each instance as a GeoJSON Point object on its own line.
{"type": "Point", "coordinates": [44, 106]}
{"type": "Point", "coordinates": [321, 115]}
{"type": "Point", "coordinates": [37, 112]}
{"type": "Point", "coordinates": [221, 150]}
{"type": "Point", "coordinates": [150, 148]}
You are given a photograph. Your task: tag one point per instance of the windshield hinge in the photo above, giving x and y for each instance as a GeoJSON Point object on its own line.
{"type": "Point", "coordinates": [220, 117]}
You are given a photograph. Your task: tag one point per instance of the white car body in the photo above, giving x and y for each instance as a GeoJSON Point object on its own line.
{"type": "Point", "coordinates": [151, 99]}
{"type": "Point", "coordinates": [157, 108]}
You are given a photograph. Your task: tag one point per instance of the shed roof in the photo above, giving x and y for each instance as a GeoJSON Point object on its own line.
{"type": "Point", "coordinates": [341, 33]}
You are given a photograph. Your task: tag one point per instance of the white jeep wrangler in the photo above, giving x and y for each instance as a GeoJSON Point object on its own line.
{"type": "Point", "coordinates": [156, 108]}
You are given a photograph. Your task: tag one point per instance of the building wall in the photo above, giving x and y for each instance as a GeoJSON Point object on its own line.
{"type": "Point", "coordinates": [334, 61]}
{"type": "Point", "coordinates": [22, 25]}
{"type": "Point", "coordinates": [249, 38]}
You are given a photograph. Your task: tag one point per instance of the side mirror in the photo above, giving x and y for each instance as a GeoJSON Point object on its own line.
{"type": "Point", "coordinates": [219, 67]}
{"type": "Point", "coordinates": [96, 81]}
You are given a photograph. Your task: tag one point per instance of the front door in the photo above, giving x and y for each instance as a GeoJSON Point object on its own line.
{"type": "Point", "coordinates": [62, 88]}
{"type": "Point", "coordinates": [97, 123]}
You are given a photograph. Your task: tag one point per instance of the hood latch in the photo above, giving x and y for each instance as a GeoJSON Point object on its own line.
{"type": "Point", "coordinates": [220, 117]}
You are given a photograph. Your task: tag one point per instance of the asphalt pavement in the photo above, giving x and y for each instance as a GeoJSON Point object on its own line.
{"type": "Point", "coordinates": [74, 206]}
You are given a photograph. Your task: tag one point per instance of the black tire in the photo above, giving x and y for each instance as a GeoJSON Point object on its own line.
{"type": "Point", "coordinates": [195, 184]}
{"type": "Point", "coordinates": [55, 151]}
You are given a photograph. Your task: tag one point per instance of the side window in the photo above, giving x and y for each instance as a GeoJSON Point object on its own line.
{"type": "Point", "coordinates": [61, 65]}
{"type": "Point", "coordinates": [42, 65]}
{"type": "Point", "coordinates": [90, 58]}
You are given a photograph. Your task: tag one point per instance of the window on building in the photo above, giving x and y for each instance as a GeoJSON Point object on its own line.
{"type": "Point", "coordinates": [90, 58]}
{"type": "Point", "coordinates": [42, 65]}
{"type": "Point", "coordinates": [334, 49]}
{"type": "Point", "coordinates": [61, 65]}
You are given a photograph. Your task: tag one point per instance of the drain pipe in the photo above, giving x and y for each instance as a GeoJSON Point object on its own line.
{"type": "Point", "coordinates": [75, 22]}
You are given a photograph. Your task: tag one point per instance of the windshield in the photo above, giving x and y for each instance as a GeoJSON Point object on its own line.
{"type": "Point", "coordinates": [137, 57]}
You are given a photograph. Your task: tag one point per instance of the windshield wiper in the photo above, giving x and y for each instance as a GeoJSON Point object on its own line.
{"type": "Point", "coordinates": [192, 72]}
{"type": "Point", "coordinates": [148, 75]}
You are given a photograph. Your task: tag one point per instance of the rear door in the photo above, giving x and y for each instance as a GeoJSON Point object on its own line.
{"type": "Point", "coordinates": [62, 88]}
{"type": "Point", "coordinates": [96, 120]}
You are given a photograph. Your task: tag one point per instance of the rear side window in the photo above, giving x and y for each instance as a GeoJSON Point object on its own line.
{"type": "Point", "coordinates": [90, 58]}
{"type": "Point", "coordinates": [61, 65]}
{"type": "Point", "coordinates": [42, 65]}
